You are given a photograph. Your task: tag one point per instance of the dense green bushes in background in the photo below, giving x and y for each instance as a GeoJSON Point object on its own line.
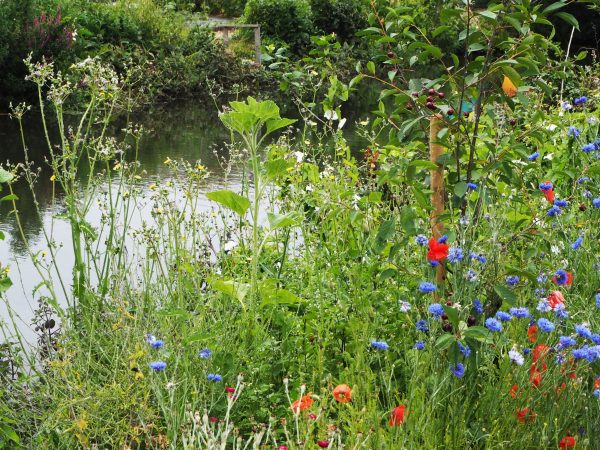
{"type": "Point", "coordinates": [286, 21]}
{"type": "Point", "coordinates": [168, 55]}
{"type": "Point", "coordinates": [342, 17]}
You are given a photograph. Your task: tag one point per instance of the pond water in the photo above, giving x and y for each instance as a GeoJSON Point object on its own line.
{"type": "Point", "coordinates": [188, 130]}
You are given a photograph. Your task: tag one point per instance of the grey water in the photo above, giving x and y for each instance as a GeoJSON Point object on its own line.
{"type": "Point", "coordinates": [187, 130]}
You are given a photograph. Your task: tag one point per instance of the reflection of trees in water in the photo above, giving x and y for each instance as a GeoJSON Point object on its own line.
{"type": "Point", "coordinates": [183, 130]}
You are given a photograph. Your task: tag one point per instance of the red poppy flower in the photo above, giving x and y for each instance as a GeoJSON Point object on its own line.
{"type": "Point", "coordinates": [535, 377]}
{"type": "Point", "coordinates": [567, 442]}
{"type": "Point", "coordinates": [437, 251]}
{"type": "Point", "coordinates": [513, 391]}
{"type": "Point", "coordinates": [304, 403]}
{"type": "Point", "coordinates": [540, 351]}
{"type": "Point", "coordinates": [549, 194]}
{"type": "Point", "coordinates": [532, 333]}
{"type": "Point", "coordinates": [525, 415]}
{"type": "Point", "coordinates": [556, 298]}
{"type": "Point", "coordinates": [323, 444]}
{"type": "Point", "coordinates": [398, 416]}
{"type": "Point", "coordinates": [213, 419]}
{"type": "Point", "coordinates": [312, 416]}
{"type": "Point", "coordinates": [342, 393]}
{"type": "Point", "coordinates": [230, 390]}
{"type": "Point", "coordinates": [597, 383]}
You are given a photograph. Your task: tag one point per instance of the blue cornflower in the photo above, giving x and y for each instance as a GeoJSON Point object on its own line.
{"type": "Point", "coordinates": [573, 131]}
{"type": "Point", "coordinates": [380, 345]}
{"type": "Point", "coordinates": [157, 366]}
{"type": "Point", "coordinates": [419, 345]}
{"type": "Point", "coordinates": [464, 349]}
{"type": "Point", "coordinates": [478, 257]}
{"type": "Point", "coordinates": [493, 324]}
{"type": "Point", "coordinates": [455, 254]}
{"type": "Point", "coordinates": [512, 280]}
{"type": "Point", "coordinates": [561, 311]}
{"type": "Point", "coordinates": [544, 306]}
{"type": "Point", "coordinates": [422, 325]}
{"type": "Point", "coordinates": [542, 278]}
{"type": "Point", "coordinates": [598, 300]}
{"type": "Point", "coordinates": [587, 148]}
{"type": "Point", "coordinates": [580, 100]}
{"type": "Point", "coordinates": [214, 377]}
{"type": "Point", "coordinates": [554, 211]}
{"type": "Point", "coordinates": [458, 370]}
{"type": "Point", "coordinates": [527, 351]}
{"type": "Point", "coordinates": [575, 245]}
{"type": "Point", "coordinates": [583, 331]}
{"type": "Point", "coordinates": [421, 240]}
{"type": "Point", "coordinates": [443, 239]}
{"type": "Point", "coordinates": [471, 186]}
{"type": "Point", "coordinates": [478, 308]}
{"type": "Point", "coordinates": [157, 343]}
{"type": "Point", "coordinates": [596, 393]}
{"type": "Point", "coordinates": [582, 180]}
{"type": "Point", "coordinates": [596, 202]}
{"type": "Point", "coordinates": [471, 275]}
{"type": "Point", "coordinates": [519, 313]}
{"type": "Point", "coordinates": [596, 338]}
{"type": "Point", "coordinates": [546, 186]}
{"type": "Point", "coordinates": [533, 156]}
{"type": "Point", "coordinates": [545, 325]}
{"type": "Point", "coordinates": [436, 309]}
{"type": "Point", "coordinates": [561, 203]}
{"type": "Point", "coordinates": [434, 263]}
{"type": "Point", "coordinates": [404, 306]}
{"type": "Point", "coordinates": [561, 277]}
{"type": "Point", "coordinates": [427, 287]}
{"type": "Point", "coordinates": [503, 316]}
{"type": "Point", "coordinates": [566, 341]}
{"type": "Point", "coordinates": [205, 353]}
{"type": "Point", "coordinates": [560, 358]}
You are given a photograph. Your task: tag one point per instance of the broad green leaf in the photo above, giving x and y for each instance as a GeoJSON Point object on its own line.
{"type": "Point", "coordinates": [569, 18]}
{"type": "Point", "coordinates": [283, 220]}
{"type": "Point", "coordinates": [5, 176]}
{"type": "Point", "coordinates": [444, 341]}
{"type": "Point", "coordinates": [407, 220]}
{"type": "Point", "coordinates": [276, 124]}
{"type": "Point", "coordinates": [452, 315]}
{"type": "Point", "coordinates": [8, 198]}
{"type": "Point", "coordinates": [371, 67]}
{"type": "Point", "coordinates": [231, 288]}
{"type": "Point", "coordinates": [506, 294]}
{"type": "Point", "coordinates": [271, 294]}
{"type": "Point", "coordinates": [553, 7]}
{"type": "Point", "coordinates": [277, 167]}
{"type": "Point", "coordinates": [423, 163]}
{"type": "Point", "coordinates": [478, 333]}
{"type": "Point", "coordinates": [231, 200]}
{"type": "Point", "coordinates": [386, 230]}
{"type": "Point", "coordinates": [460, 189]}
{"type": "Point", "coordinates": [489, 14]}
{"type": "Point", "coordinates": [5, 283]}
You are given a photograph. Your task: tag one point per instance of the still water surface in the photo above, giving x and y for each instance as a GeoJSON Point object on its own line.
{"type": "Point", "coordinates": [188, 131]}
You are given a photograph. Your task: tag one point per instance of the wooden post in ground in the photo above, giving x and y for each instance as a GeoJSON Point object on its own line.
{"type": "Point", "coordinates": [437, 185]}
{"type": "Point", "coordinates": [257, 44]}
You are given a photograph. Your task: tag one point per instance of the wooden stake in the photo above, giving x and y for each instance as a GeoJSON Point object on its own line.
{"type": "Point", "coordinates": [437, 185]}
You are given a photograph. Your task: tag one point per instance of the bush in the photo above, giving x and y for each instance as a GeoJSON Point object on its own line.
{"type": "Point", "coordinates": [227, 7]}
{"type": "Point", "coordinates": [289, 21]}
{"type": "Point", "coordinates": [342, 17]}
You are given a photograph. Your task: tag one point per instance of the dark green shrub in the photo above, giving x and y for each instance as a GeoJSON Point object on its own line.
{"type": "Point", "coordinates": [289, 21]}
{"type": "Point", "coordinates": [231, 8]}
{"type": "Point", "coordinates": [342, 17]}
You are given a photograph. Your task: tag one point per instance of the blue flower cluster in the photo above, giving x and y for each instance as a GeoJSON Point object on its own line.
{"type": "Point", "coordinates": [436, 309]}
{"type": "Point", "coordinates": [214, 377]}
{"type": "Point", "coordinates": [533, 156]}
{"type": "Point", "coordinates": [512, 280]}
{"type": "Point", "coordinates": [427, 287]}
{"type": "Point", "coordinates": [380, 345]}
{"type": "Point", "coordinates": [455, 254]}
{"type": "Point", "coordinates": [519, 312]}
{"type": "Point", "coordinates": [580, 100]}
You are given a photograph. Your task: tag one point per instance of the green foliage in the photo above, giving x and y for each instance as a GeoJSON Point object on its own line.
{"type": "Point", "coordinates": [342, 17]}
{"type": "Point", "coordinates": [285, 21]}
{"type": "Point", "coordinates": [231, 8]}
